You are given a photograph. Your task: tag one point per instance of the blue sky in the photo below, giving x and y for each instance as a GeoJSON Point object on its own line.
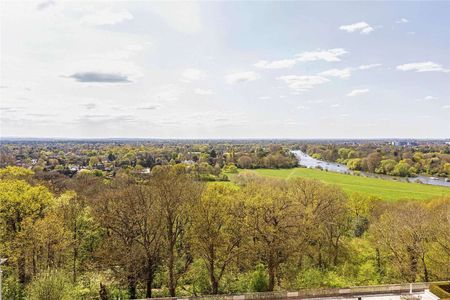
{"type": "Point", "coordinates": [225, 69]}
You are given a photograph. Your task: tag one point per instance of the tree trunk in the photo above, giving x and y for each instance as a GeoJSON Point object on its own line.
{"type": "Point", "coordinates": [74, 265]}
{"type": "Point", "coordinates": [215, 287]}
{"type": "Point", "coordinates": [271, 267]}
{"type": "Point", "coordinates": [212, 269]}
{"type": "Point", "coordinates": [75, 254]}
{"type": "Point", "coordinates": [412, 263]}
{"type": "Point", "coordinates": [171, 274]}
{"type": "Point", "coordinates": [103, 292]}
{"type": "Point", "coordinates": [379, 266]}
{"type": "Point", "coordinates": [132, 287]}
{"type": "Point", "coordinates": [149, 280]}
{"type": "Point", "coordinates": [21, 268]}
{"type": "Point", "coordinates": [425, 269]}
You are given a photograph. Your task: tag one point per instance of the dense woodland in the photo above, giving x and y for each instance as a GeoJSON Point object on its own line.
{"type": "Point", "coordinates": [169, 233]}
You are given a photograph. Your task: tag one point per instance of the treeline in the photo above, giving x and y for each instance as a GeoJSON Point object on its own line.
{"type": "Point", "coordinates": [210, 161]}
{"type": "Point", "coordinates": [405, 161]}
{"type": "Point", "coordinates": [167, 233]}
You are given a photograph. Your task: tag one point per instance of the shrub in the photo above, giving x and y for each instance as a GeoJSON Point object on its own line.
{"type": "Point", "coordinates": [259, 281]}
{"type": "Point", "coordinates": [50, 285]}
{"type": "Point", "coordinates": [310, 278]}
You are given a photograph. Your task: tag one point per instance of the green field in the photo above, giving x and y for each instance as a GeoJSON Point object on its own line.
{"type": "Point", "coordinates": [381, 188]}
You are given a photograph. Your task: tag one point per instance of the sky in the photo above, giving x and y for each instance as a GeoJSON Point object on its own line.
{"type": "Point", "coordinates": [142, 69]}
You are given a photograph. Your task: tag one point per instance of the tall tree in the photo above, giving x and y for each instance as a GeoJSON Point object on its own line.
{"type": "Point", "coordinates": [218, 231]}
{"type": "Point", "coordinates": [177, 194]}
{"type": "Point", "coordinates": [271, 221]}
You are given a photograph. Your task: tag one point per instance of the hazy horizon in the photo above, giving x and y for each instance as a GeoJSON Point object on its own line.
{"type": "Point", "coordinates": [225, 70]}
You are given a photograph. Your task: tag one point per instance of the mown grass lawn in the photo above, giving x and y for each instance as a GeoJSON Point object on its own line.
{"type": "Point", "coordinates": [384, 189]}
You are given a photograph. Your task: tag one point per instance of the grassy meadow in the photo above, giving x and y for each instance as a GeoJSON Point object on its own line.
{"type": "Point", "coordinates": [389, 190]}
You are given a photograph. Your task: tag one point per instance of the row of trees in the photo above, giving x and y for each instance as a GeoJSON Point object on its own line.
{"type": "Point", "coordinates": [169, 234]}
{"type": "Point", "coordinates": [387, 159]}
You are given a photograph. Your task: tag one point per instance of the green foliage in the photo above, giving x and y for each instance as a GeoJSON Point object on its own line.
{"type": "Point", "coordinates": [12, 290]}
{"type": "Point", "coordinates": [230, 168]}
{"type": "Point", "coordinates": [354, 164]}
{"type": "Point", "coordinates": [50, 285]}
{"type": "Point", "coordinates": [259, 280]}
{"type": "Point", "coordinates": [198, 279]}
{"type": "Point", "coordinates": [13, 172]}
{"type": "Point", "coordinates": [310, 278]}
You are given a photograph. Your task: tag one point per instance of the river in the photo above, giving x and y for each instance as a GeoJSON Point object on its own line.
{"type": "Point", "coordinates": [310, 162]}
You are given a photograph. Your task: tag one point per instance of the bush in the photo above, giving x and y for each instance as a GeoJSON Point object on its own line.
{"type": "Point", "coordinates": [310, 278]}
{"type": "Point", "coordinates": [11, 288]}
{"type": "Point", "coordinates": [50, 285]}
{"type": "Point", "coordinates": [259, 281]}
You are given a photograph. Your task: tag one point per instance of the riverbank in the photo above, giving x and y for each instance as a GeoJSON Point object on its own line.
{"type": "Point", "coordinates": [310, 162]}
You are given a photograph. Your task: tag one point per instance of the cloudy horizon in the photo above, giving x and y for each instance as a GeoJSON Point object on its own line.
{"type": "Point", "coordinates": [225, 69]}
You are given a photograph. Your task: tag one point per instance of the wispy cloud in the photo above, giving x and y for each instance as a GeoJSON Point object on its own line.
{"type": "Point", "coordinates": [107, 17]}
{"type": "Point", "coordinates": [148, 107]}
{"type": "Point", "coordinates": [402, 21]}
{"type": "Point", "coordinates": [242, 77]}
{"type": "Point", "coordinates": [10, 109]}
{"type": "Point", "coordinates": [203, 92]}
{"type": "Point", "coordinates": [303, 83]}
{"type": "Point", "coordinates": [331, 55]}
{"type": "Point", "coordinates": [45, 4]}
{"type": "Point", "coordinates": [358, 92]}
{"type": "Point", "coordinates": [276, 64]}
{"type": "Point", "coordinates": [369, 66]}
{"type": "Point", "coordinates": [100, 77]}
{"type": "Point", "coordinates": [427, 66]}
{"type": "Point", "coordinates": [430, 98]}
{"type": "Point", "coordinates": [90, 105]}
{"type": "Point", "coordinates": [192, 74]}
{"type": "Point", "coordinates": [361, 27]}
{"type": "Point", "coordinates": [340, 73]}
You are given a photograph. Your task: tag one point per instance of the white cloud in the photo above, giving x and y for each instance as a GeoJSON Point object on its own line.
{"type": "Point", "coordinates": [303, 83]}
{"type": "Point", "coordinates": [430, 98]}
{"type": "Point", "coordinates": [203, 92]}
{"type": "Point", "coordinates": [334, 105]}
{"type": "Point", "coordinates": [330, 55]}
{"type": "Point", "coordinates": [427, 66]}
{"type": "Point", "coordinates": [276, 64]}
{"type": "Point", "coordinates": [358, 92]}
{"type": "Point", "coordinates": [302, 107]}
{"type": "Point", "coordinates": [446, 107]}
{"type": "Point", "coordinates": [367, 67]}
{"type": "Point", "coordinates": [107, 17]}
{"type": "Point", "coordinates": [361, 27]}
{"type": "Point", "coordinates": [192, 74]}
{"type": "Point", "coordinates": [242, 77]}
{"type": "Point", "coordinates": [402, 21]}
{"type": "Point", "coordinates": [340, 73]}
